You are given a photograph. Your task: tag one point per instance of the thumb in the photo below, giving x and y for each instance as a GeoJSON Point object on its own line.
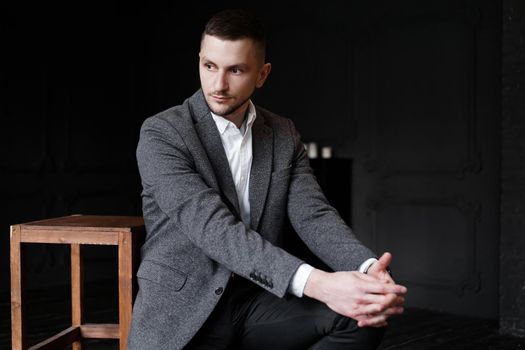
{"type": "Point", "coordinates": [384, 261]}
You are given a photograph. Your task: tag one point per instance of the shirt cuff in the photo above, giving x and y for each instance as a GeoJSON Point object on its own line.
{"type": "Point", "coordinates": [299, 280]}
{"type": "Point", "coordinates": [366, 265]}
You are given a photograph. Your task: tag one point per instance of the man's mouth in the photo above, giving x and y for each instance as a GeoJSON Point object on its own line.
{"type": "Point", "coordinates": [221, 97]}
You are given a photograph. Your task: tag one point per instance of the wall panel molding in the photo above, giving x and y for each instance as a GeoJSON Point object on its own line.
{"type": "Point", "coordinates": [398, 226]}
{"type": "Point", "coordinates": [450, 142]}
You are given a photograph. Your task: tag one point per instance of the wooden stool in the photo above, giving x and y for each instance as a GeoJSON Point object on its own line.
{"type": "Point", "coordinates": [126, 232]}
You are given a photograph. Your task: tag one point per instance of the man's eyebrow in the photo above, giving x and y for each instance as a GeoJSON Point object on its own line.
{"type": "Point", "coordinates": [206, 59]}
{"type": "Point", "coordinates": [237, 65]}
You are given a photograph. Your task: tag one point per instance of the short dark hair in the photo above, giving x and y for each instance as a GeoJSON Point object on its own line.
{"type": "Point", "coordinates": [234, 24]}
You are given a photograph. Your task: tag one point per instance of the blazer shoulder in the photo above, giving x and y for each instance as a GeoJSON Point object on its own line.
{"type": "Point", "coordinates": [276, 122]}
{"type": "Point", "coordinates": [182, 117]}
{"type": "Point", "coordinates": [173, 126]}
{"type": "Point", "coordinates": [175, 117]}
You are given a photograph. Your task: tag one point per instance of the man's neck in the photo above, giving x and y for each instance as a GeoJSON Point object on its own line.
{"type": "Point", "coordinates": [238, 116]}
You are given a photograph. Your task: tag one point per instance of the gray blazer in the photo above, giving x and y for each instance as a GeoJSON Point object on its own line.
{"type": "Point", "coordinates": [195, 238]}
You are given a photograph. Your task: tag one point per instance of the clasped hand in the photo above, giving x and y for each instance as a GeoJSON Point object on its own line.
{"type": "Point", "coordinates": [368, 298]}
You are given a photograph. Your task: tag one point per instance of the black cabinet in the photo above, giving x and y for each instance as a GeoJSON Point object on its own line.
{"type": "Point", "coordinates": [335, 178]}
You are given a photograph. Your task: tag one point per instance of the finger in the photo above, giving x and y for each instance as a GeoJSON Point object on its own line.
{"type": "Point", "coordinates": [400, 301]}
{"type": "Point", "coordinates": [388, 299]}
{"type": "Point", "coordinates": [394, 300]}
{"type": "Point", "coordinates": [366, 313]}
{"type": "Point", "coordinates": [391, 311]}
{"type": "Point", "coordinates": [380, 304]}
{"type": "Point", "coordinates": [380, 267]}
{"type": "Point", "coordinates": [385, 277]}
{"type": "Point", "coordinates": [385, 260]}
{"type": "Point", "coordinates": [369, 298]}
{"type": "Point", "coordinates": [376, 287]}
{"type": "Point", "coordinates": [366, 277]}
{"type": "Point", "coordinates": [375, 278]}
{"type": "Point", "coordinates": [373, 321]}
{"type": "Point", "coordinates": [368, 319]}
{"type": "Point", "coordinates": [377, 325]}
{"type": "Point", "coordinates": [369, 309]}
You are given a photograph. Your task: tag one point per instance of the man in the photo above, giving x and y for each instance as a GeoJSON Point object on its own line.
{"type": "Point", "coordinates": [221, 178]}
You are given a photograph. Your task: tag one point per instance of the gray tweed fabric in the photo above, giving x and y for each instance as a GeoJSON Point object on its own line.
{"type": "Point", "coordinates": [195, 238]}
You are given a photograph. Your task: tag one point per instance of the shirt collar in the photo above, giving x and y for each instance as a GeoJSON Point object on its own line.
{"type": "Point", "coordinates": [223, 123]}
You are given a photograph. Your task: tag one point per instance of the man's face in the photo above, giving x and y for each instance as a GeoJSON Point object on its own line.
{"type": "Point", "coordinates": [229, 73]}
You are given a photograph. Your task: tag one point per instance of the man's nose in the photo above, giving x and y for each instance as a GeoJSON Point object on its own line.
{"type": "Point", "coordinates": [221, 81]}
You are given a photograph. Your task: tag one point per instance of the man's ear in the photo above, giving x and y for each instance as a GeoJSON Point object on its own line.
{"type": "Point", "coordinates": [263, 74]}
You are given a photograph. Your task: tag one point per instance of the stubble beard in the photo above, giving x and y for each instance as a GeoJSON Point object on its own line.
{"type": "Point", "coordinates": [229, 110]}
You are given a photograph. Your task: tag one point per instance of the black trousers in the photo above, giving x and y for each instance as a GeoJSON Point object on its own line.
{"type": "Point", "coordinates": [248, 317]}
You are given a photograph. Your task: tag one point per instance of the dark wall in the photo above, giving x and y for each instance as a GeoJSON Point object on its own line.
{"type": "Point", "coordinates": [426, 108]}
{"type": "Point", "coordinates": [409, 90]}
{"type": "Point", "coordinates": [512, 277]}
{"type": "Point", "coordinates": [76, 83]}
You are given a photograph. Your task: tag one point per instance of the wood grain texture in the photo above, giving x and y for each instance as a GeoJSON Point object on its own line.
{"type": "Point", "coordinates": [17, 316]}
{"type": "Point", "coordinates": [100, 331]}
{"type": "Point", "coordinates": [88, 223]}
{"type": "Point", "coordinates": [60, 340]}
{"type": "Point", "coordinates": [77, 290]}
{"type": "Point", "coordinates": [64, 236]}
{"type": "Point", "coordinates": [125, 277]}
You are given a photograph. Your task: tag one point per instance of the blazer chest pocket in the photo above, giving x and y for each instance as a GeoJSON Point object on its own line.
{"type": "Point", "coordinates": [162, 274]}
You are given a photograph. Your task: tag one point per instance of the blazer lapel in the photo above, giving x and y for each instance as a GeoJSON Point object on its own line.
{"type": "Point", "coordinates": [211, 140]}
{"type": "Point", "coordinates": [262, 148]}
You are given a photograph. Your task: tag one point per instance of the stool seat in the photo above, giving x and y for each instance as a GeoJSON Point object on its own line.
{"type": "Point", "coordinates": [125, 232]}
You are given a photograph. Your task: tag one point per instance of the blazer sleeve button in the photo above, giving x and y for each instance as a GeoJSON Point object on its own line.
{"type": "Point", "coordinates": [219, 291]}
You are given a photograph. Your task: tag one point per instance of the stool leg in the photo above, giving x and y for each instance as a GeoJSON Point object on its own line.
{"type": "Point", "coordinates": [77, 290]}
{"type": "Point", "coordinates": [17, 315]}
{"type": "Point", "coordinates": [125, 285]}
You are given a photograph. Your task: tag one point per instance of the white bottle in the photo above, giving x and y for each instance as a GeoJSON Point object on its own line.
{"type": "Point", "coordinates": [326, 152]}
{"type": "Point", "coordinates": [312, 150]}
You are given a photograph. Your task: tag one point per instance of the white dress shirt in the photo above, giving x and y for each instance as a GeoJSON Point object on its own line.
{"type": "Point", "coordinates": [237, 143]}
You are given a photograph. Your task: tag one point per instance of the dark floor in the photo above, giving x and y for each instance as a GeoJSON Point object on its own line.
{"type": "Point", "coordinates": [422, 329]}
{"type": "Point", "coordinates": [47, 314]}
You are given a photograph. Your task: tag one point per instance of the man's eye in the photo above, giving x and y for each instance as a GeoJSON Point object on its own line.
{"type": "Point", "coordinates": [236, 70]}
{"type": "Point", "coordinates": [208, 66]}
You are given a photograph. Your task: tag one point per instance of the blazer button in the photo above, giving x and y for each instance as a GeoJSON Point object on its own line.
{"type": "Point", "coordinates": [219, 291]}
